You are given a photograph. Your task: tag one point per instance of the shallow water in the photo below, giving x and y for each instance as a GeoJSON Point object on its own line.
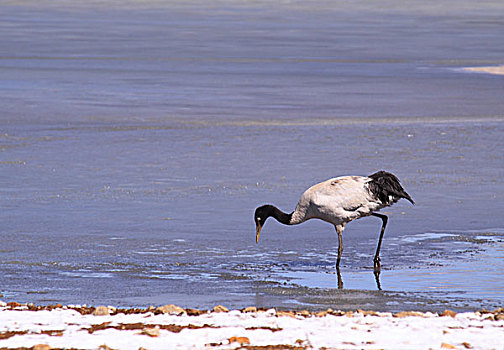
{"type": "Point", "coordinates": [135, 147]}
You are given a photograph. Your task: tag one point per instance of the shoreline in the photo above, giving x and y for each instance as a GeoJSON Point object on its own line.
{"type": "Point", "coordinates": [27, 326]}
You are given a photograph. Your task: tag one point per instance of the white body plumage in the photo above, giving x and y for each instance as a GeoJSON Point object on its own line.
{"type": "Point", "coordinates": [338, 200]}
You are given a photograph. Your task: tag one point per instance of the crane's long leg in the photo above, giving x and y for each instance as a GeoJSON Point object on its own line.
{"type": "Point", "coordinates": [339, 230]}
{"type": "Point", "coordinates": [377, 264]}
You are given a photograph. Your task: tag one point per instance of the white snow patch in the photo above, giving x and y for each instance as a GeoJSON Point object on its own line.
{"type": "Point", "coordinates": [261, 329]}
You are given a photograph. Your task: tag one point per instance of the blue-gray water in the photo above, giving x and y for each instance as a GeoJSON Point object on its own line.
{"type": "Point", "coordinates": [137, 138]}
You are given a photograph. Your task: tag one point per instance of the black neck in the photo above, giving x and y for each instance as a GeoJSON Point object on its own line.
{"type": "Point", "coordinates": [279, 215]}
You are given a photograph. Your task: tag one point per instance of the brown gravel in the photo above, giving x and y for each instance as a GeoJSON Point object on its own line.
{"type": "Point", "coordinates": [497, 314]}
{"type": "Point", "coordinates": [174, 328]}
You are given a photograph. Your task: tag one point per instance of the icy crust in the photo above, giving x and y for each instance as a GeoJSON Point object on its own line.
{"type": "Point", "coordinates": [497, 70]}
{"type": "Point", "coordinates": [172, 327]}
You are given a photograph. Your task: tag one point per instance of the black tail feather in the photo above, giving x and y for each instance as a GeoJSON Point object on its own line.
{"type": "Point", "coordinates": [387, 188]}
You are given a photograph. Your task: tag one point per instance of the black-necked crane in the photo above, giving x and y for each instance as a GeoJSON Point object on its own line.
{"type": "Point", "coordinates": [339, 201]}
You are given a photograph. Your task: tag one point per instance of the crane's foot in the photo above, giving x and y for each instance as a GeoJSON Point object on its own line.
{"type": "Point", "coordinates": [340, 281]}
{"type": "Point", "coordinates": [377, 264]}
{"type": "Point", "coordinates": [377, 279]}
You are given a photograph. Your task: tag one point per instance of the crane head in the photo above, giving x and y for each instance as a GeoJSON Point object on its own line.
{"type": "Point", "coordinates": [260, 216]}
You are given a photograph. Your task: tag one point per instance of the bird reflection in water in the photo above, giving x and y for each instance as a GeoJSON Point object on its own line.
{"type": "Point", "coordinates": [340, 280]}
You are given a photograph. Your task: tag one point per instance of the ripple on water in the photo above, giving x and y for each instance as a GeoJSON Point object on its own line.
{"type": "Point", "coordinates": [425, 236]}
{"type": "Point", "coordinates": [87, 274]}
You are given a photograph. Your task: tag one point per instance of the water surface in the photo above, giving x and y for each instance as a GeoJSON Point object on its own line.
{"type": "Point", "coordinates": [137, 139]}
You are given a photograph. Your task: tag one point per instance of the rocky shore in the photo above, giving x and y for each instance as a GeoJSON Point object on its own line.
{"type": "Point", "coordinates": [27, 326]}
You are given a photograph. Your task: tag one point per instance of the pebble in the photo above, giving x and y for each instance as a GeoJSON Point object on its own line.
{"type": "Point", "coordinates": [171, 309]}
{"type": "Point", "coordinates": [304, 313]}
{"type": "Point", "coordinates": [286, 313]}
{"type": "Point", "coordinates": [105, 347]}
{"type": "Point", "coordinates": [250, 309]}
{"type": "Point", "coordinates": [240, 340]}
{"type": "Point", "coordinates": [368, 313]}
{"type": "Point", "coordinates": [449, 313]}
{"type": "Point", "coordinates": [41, 347]}
{"type": "Point", "coordinates": [220, 308]}
{"type": "Point", "coordinates": [195, 312]}
{"type": "Point", "coordinates": [101, 311]}
{"type": "Point", "coordinates": [151, 332]}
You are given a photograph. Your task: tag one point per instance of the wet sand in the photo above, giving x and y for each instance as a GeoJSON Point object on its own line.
{"type": "Point", "coordinates": [169, 326]}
